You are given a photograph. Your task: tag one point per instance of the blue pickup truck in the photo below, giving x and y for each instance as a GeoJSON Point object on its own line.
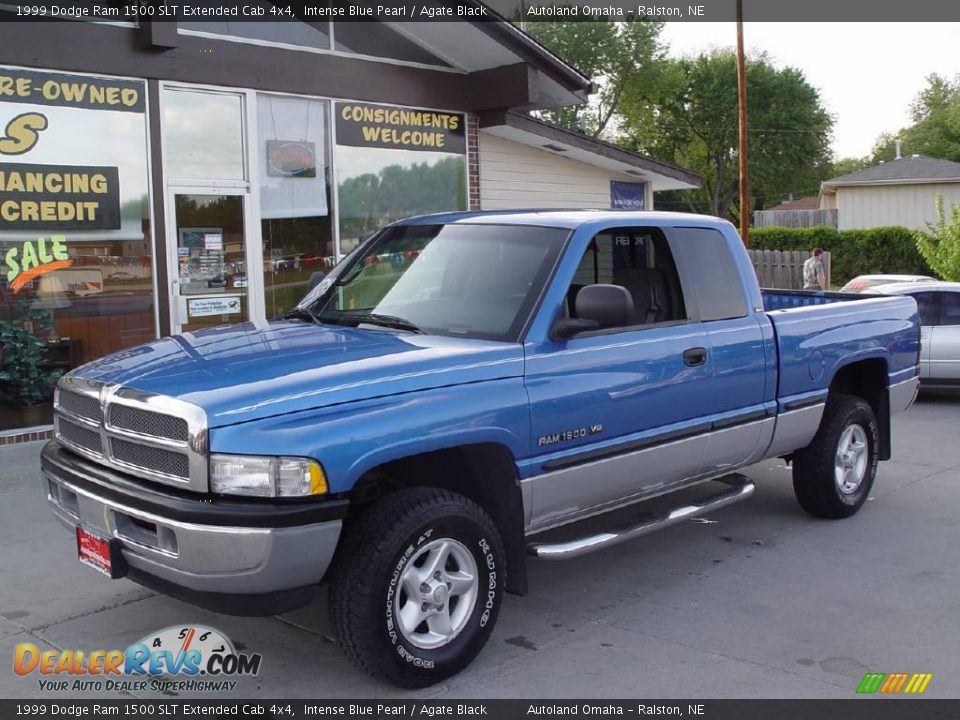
{"type": "Point", "coordinates": [462, 392]}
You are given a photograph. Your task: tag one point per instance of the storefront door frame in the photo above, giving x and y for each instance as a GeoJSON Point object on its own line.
{"type": "Point", "coordinates": [253, 243]}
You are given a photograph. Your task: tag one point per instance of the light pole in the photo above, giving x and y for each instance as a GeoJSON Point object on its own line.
{"type": "Point", "coordinates": [742, 107]}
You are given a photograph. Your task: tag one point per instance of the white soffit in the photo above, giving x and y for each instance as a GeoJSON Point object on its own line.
{"type": "Point", "coordinates": [627, 171]}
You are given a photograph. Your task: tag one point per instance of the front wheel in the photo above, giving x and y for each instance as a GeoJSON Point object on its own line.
{"type": "Point", "coordinates": [834, 474]}
{"type": "Point", "coordinates": [417, 586]}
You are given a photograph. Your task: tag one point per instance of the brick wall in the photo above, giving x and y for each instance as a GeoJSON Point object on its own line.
{"type": "Point", "coordinates": [473, 161]}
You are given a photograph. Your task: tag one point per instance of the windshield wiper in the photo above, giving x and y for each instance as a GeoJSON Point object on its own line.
{"type": "Point", "coordinates": [390, 321]}
{"type": "Point", "coordinates": [303, 314]}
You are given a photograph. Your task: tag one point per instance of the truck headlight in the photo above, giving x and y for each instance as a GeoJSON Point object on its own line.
{"type": "Point", "coordinates": [260, 476]}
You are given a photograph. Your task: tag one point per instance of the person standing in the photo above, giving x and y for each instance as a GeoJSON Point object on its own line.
{"type": "Point", "coordinates": [814, 277]}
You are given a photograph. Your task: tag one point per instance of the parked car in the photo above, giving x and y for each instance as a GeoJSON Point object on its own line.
{"type": "Point", "coordinates": [413, 432]}
{"type": "Point", "coordinates": [939, 307]}
{"type": "Point", "coordinates": [865, 283]}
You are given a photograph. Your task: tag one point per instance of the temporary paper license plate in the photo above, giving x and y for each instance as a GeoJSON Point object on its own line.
{"type": "Point", "coordinates": [95, 551]}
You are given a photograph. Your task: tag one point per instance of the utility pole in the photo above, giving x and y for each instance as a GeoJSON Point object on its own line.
{"type": "Point", "coordinates": [742, 107]}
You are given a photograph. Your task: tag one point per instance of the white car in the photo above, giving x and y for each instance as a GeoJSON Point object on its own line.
{"type": "Point", "coordinates": [939, 306]}
{"type": "Point", "coordinates": [866, 283]}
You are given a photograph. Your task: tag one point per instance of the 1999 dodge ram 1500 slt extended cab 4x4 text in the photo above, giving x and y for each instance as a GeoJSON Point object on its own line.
{"type": "Point", "coordinates": [459, 387]}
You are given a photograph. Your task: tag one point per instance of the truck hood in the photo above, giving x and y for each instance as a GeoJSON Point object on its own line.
{"type": "Point", "coordinates": [250, 371]}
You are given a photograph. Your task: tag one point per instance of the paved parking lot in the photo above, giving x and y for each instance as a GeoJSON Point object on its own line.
{"type": "Point", "coordinates": [761, 601]}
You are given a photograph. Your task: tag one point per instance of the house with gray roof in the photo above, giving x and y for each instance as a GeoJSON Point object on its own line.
{"type": "Point", "coordinates": [903, 192]}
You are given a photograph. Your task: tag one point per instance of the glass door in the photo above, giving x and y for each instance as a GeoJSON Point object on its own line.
{"type": "Point", "coordinates": [211, 272]}
{"type": "Point", "coordinates": [214, 254]}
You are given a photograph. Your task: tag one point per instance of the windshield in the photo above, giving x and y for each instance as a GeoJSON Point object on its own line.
{"type": "Point", "coordinates": [478, 281]}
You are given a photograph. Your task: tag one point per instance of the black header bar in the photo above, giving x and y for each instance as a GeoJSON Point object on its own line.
{"type": "Point", "coordinates": [220, 11]}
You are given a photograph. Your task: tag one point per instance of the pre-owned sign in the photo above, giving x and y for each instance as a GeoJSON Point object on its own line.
{"type": "Point", "coordinates": [362, 125]}
{"type": "Point", "coordinates": [59, 197]}
{"type": "Point", "coordinates": [24, 86]}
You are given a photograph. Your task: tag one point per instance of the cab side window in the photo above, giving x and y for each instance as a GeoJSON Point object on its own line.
{"type": "Point", "coordinates": [950, 308]}
{"type": "Point", "coordinates": [928, 307]}
{"type": "Point", "coordinates": [639, 260]}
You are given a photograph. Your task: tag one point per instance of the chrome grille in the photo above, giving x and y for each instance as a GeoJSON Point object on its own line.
{"type": "Point", "coordinates": [153, 437]}
{"type": "Point", "coordinates": [84, 406]}
{"type": "Point", "coordinates": [144, 422]}
{"type": "Point", "coordinates": [78, 436]}
{"type": "Point", "coordinates": [145, 457]}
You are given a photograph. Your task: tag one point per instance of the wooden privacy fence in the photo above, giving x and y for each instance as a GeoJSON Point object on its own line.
{"type": "Point", "coordinates": [783, 269]}
{"type": "Point", "coordinates": [795, 218]}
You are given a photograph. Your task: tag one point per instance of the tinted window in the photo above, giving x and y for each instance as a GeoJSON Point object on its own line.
{"type": "Point", "coordinates": [639, 260]}
{"type": "Point", "coordinates": [717, 282]}
{"type": "Point", "coordinates": [950, 308]}
{"type": "Point", "coordinates": [927, 307]}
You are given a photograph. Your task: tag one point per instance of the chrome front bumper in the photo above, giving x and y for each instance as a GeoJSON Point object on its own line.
{"type": "Point", "coordinates": [253, 555]}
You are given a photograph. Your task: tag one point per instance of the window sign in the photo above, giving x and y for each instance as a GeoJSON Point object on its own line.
{"type": "Point", "coordinates": [628, 195]}
{"type": "Point", "coordinates": [76, 267]}
{"type": "Point", "coordinates": [383, 126]}
{"type": "Point", "coordinates": [218, 305]}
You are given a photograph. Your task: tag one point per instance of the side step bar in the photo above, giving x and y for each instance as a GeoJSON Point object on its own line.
{"type": "Point", "coordinates": [741, 487]}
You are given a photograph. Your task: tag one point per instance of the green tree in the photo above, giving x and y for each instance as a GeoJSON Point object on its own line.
{"type": "Point", "coordinates": [847, 165]}
{"type": "Point", "coordinates": [622, 58]}
{"type": "Point", "coordinates": [935, 131]}
{"type": "Point", "coordinates": [697, 128]}
{"type": "Point", "coordinates": [940, 247]}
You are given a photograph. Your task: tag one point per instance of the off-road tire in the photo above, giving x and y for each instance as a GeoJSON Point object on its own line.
{"type": "Point", "coordinates": [366, 582]}
{"type": "Point", "coordinates": [814, 467]}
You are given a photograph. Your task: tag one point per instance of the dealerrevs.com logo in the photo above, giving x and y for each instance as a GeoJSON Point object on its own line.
{"type": "Point", "coordinates": [176, 659]}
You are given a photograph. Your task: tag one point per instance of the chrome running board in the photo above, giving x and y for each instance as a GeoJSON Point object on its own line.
{"type": "Point", "coordinates": [741, 487]}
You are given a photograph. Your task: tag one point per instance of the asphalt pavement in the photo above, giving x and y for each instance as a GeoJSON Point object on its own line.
{"type": "Point", "coordinates": [757, 600]}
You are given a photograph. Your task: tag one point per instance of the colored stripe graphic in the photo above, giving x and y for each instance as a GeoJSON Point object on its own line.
{"type": "Point", "coordinates": [893, 683]}
{"type": "Point", "coordinates": [871, 682]}
{"type": "Point", "coordinates": [918, 683]}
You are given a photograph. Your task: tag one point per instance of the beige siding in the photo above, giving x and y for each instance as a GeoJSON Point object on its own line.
{"type": "Point", "coordinates": [513, 175]}
{"type": "Point", "coordinates": [878, 205]}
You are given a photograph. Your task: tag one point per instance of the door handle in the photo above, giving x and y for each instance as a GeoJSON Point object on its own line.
{"type": "Point", "coordinates": [695, 356]}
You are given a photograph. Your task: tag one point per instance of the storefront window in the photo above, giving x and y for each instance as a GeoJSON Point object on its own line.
{"type": "Point", "coordinates": [396, 162]}
{"type": "Point", "coordinates": [203, 133]}
{"type": "Point", "coordinates": [75, 231]}
{"type": "Point", "coordinates": [294, 197]}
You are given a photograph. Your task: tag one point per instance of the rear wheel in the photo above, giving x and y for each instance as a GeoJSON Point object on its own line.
{"type": "Point", "coordinates": [834, 474]}
{"type": "Point", "coordinates": [417, 586]}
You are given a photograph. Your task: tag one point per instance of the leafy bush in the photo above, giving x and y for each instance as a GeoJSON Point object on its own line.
{"type": "Point", "coordinates": [852, 252]}
{"type": "Point", "coordinates": [941, 246]}
{"type": "Point", "coordinates": [22, 379]}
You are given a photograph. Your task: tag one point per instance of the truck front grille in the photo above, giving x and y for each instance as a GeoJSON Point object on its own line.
{"type": "Point", "coordinates": [145, 457]}
{"type": "Point", "coordinates": [83, 406]}
{"type": "Point", "coordinates": [144, 422]}
{"type": "Point", "coordinates": [150, 436]}
{"type": "Point", "coordinates": [80, 437]}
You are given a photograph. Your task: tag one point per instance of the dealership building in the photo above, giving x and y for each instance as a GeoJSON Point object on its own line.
{"type": "Point", "coordinates": [163, 177]}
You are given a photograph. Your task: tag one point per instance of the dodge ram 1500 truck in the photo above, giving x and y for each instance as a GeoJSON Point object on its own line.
{"type": "Point", "coordinates": [456, 392]}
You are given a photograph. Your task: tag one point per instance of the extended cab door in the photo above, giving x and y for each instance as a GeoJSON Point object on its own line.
{"type": "Point", "coordinates": [616, 412]}
{"type": "Point", "coordinates": [740, 405]}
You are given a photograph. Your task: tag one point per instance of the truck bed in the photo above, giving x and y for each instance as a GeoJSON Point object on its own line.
{"type": "Point", "coordinates": [817, 332]}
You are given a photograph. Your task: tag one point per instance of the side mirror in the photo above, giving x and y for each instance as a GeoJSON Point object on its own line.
{"type": "Point", "coordinates": [568, 327]}
{"type": "Point", "coordinates": [606, 305]}
{"type": "Point", "coordinates": [598, 307]}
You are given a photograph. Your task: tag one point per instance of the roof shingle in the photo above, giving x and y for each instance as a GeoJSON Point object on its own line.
{"type": "Point", "coordinates": [916, 168]}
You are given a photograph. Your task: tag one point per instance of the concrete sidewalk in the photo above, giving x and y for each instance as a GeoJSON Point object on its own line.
{"type": "Point", "coordinates": [763, 601]}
